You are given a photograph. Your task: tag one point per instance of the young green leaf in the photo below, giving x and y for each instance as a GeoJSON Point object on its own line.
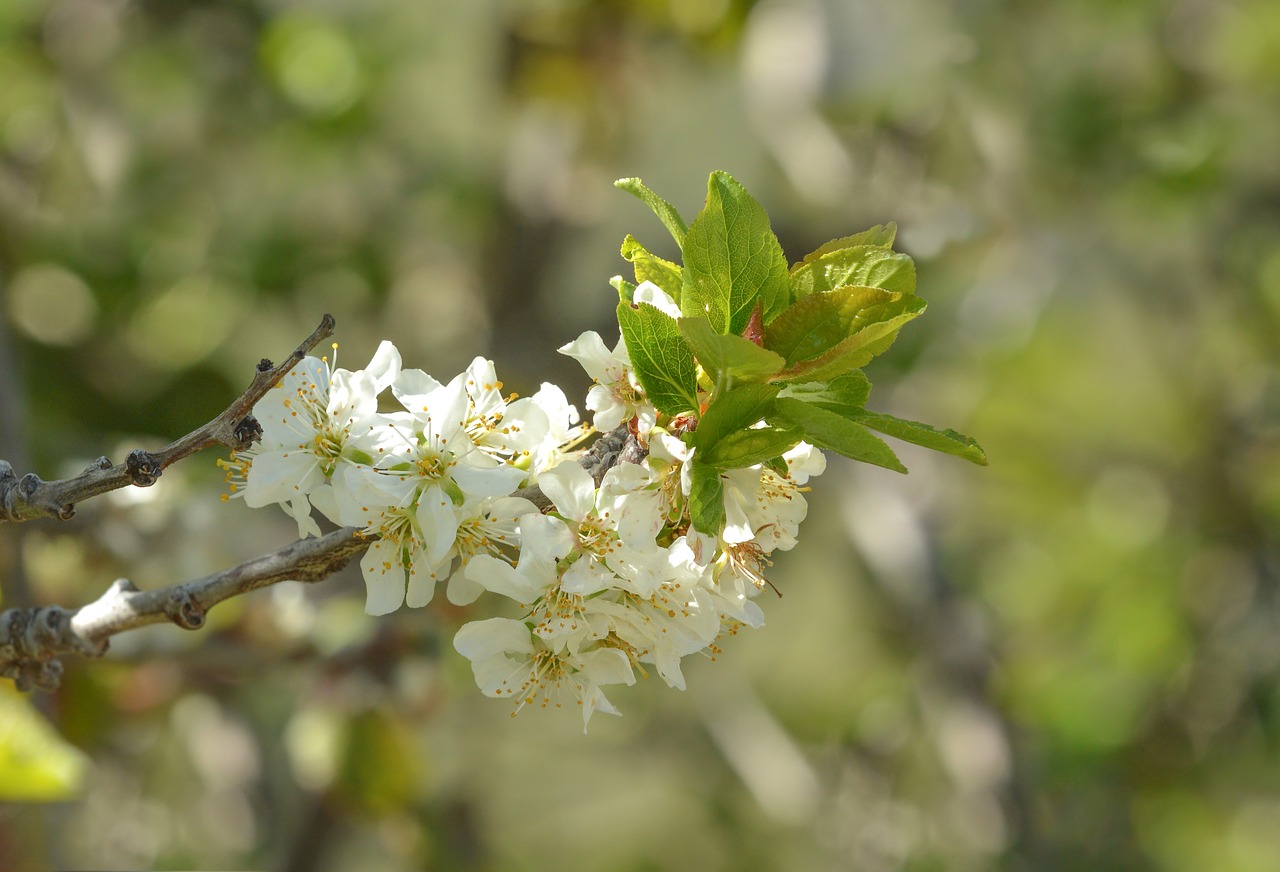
{"type": "Point", "coordinates": [728, 354]}
{"type": "Point", "coordinates": [732, 411]}
{"type": "Point", "coordinates": [749, 447]}
{"type": "Point", "coordinates": [661, 358]}
{"type": "Point", "coordinates": [819, 322]}
{"type": "Point", "coordinates": [732, 260]}
{"type": "Point", "coordinates": [625, 289]}
{"type": "Point", "coordinates": [869, 266]}
{"type": "Point", "coordinates": [845, 394]}
{"type": "Point", "coordinates": [882, 236]}
{"type": "Point", "coordinates": [666, 213]}
{"type": "Point", "coordinates": [706, 498]}
{"type": "Point", "coordinates": [651, 268]}
{"type": "Point", "coordinates": [946, 441]}
{"type": "Point", "coordinates": [873, 336]}
{"type": "Point", "coordinates": [828, 430]}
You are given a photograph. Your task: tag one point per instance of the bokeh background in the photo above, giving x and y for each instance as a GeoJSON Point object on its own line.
{"type": "Point", "coordinates": [1069, 660]}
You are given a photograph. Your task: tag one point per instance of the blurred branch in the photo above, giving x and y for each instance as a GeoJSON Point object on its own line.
{"type": "Point", "coordinates": [22, 499]}
{"type": "Point", "coordinates": [32, 639]}
{"type": "Point", "coordinates": [14, 588]}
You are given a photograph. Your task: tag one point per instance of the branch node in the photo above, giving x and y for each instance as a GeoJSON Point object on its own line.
{"type": "Point", "coordinates": [143, 468]}
{"type": "Point", "coordinates": [6, 472]}
{"type": "Point", "coordinates": [99, 464]}
{"type": "Point", "coordinates": [121, 585]}
{"type": "Point", "coordinates": [248, 431]}
{"type": "Point", "coordinates": [28, 483]}
{"type": "Point", "coordinates": [43, 675]}
{"type": "Point", "coordinates": [184, 611]}
{"type": "Point", "coordinates": [265, 365]}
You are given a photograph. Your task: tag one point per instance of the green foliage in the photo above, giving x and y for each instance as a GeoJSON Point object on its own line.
{"type": "Point", "coordinates": [666, 213]}
{"type": "Point", "coordinates": [946, 441]}
{"type": "Point", "coordinates": [829, 430]}
{"type": "Point", "coordinates": [732, 260]}
{"type": "Point", "coordinates": [36, 764]}
{"type": "Point", "coordinates": [727, 355]}
{"type": "Point", "coordinates": [869, 332]}
{"type": "Point", "coordinates": [706, 498]}
{"type": "Point", "coordinates": [845, 394]}
{"type": "Point", "coordinates": [662, 360]}
{"type": "Point", "coordinates": [738, 409]}
{"type": "Point", "coordinates": [780, 351]}
{"type": "Point", "coordinates": [818, 323]}
{"type": "Point", "coordinates": [869, 266]}
{"type": "Point", "coordinates": [651, 268]}
{"type": "Point", "coordinates": [749, 447]}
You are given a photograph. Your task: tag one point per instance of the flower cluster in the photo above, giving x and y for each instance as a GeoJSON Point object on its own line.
{"type": "Point", "coordinates": [730, 367]}
{"type": "Point", "coordinates": [610, 578]}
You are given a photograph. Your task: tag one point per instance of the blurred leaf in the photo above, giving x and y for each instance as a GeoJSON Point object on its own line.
{"type": "Point", "coordinates": [36, 764]}
{"type": "Point", "coordinates": [379, 769]}
{"type": "Point", "coordinates": [732, 260]}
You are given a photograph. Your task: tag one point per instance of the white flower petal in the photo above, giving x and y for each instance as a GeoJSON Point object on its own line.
{"type": "Point", "coordinates": [438, 520]}
{"type": "Point", "coordinates": [481, 640]}
{"type": "Point", "coordinates": [383, 578]}
{"type": "Point", "coordinates": [571, 488]}
{"type": "Point", "coordinates": [648, 292]}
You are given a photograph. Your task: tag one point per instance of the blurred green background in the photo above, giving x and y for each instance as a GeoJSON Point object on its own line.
{"type": "Point", "coordinates": [1066, 661]}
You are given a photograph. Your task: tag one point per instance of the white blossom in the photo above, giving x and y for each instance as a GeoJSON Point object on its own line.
{"type": "Point", "coordinates": [510, 662]}
{"type": "Point", "coordinates": [616, 395]}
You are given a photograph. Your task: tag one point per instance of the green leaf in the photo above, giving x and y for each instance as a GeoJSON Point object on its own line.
{"type": "Point", "coordinates": [625, 289]}
{"type": "Point", "coordinates": [820, 322]}
{"type": "Point", "coordinates": [946, 441]}
{"type": "Point", "coordinates": [869, 266]}
{"type": "Point", "coordinates": [731, 411]}
{"type": "Point", "coordinates": [36, 764]}
{"type": "Point", "coordinates": [706, 498]}
{"type": "Point", "coordinates": [829, 430]}
{"type": "Point", "coordinates": [732, 260]}
{"type": "Point", "coordinates": [845, 394]}
{"type": "Point", "coordinates": [666, 213]}
{"type": "Point", "coordinates": [749, 447]}
{"type": "Point", "coordinates": [651, 268]}
{"type": "Point", "coordinates": [728, 354]}
{"type": "Point", "coordinates": [661, 358]}
{"type": "Point", "coordinates": [881, 236]}
{"type": "Point", "coordinates": [875, 333]}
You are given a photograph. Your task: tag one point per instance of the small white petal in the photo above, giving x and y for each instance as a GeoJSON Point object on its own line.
{"type": "Point", "coordinates": [383, 578]}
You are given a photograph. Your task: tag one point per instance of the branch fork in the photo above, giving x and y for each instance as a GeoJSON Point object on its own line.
{"type": "Point", "coordinates": [33, 639]}
{"type": "Point", "coordinates": [28, 497]}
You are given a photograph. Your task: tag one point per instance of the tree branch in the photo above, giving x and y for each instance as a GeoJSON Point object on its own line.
{"type": "Point", "coordinates": [32, 639]}
{"type": "Point", "coordinates": [22, 499]}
